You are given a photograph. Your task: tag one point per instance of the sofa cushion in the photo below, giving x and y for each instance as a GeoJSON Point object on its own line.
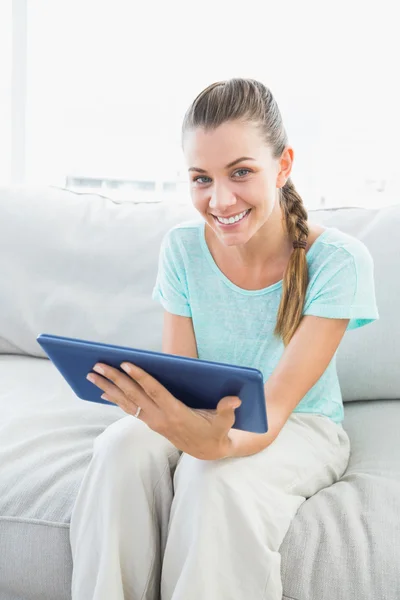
{"type": "Point", "coordinates": [345, 541]}
{"type": "Point", "coordinates": [46, 443]}
{"type": "Point", "coordinates": [79, 265]}
{"type": "Point", "coordinates": [46, 439]}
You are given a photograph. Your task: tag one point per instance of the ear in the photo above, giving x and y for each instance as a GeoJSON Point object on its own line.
{"type": "Point", "coordinates": [285, 166]}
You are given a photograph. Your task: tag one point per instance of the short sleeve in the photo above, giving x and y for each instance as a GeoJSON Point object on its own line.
{"type": "Point", "coordinates": [343, 287]}
{"type": "Point", "coordinates": [170, 288]}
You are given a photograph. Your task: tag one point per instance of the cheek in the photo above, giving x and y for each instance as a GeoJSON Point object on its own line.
{"type": "Point", "coordinates": [260, 196]}
{"type": "Point", "coordinates": [200, 200]}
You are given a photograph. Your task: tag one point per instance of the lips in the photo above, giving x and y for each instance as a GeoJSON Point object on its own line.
{"type": "Point", "coordinates": [233, 220]}
{"type": "Point", "coordinates": [229, 216]}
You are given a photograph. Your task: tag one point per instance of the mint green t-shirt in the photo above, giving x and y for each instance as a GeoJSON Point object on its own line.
{"type": "Point", "coordinates": [236, 326]}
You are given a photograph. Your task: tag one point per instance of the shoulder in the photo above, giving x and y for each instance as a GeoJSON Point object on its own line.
{"type": "Point", "coordinates": [341, 283]}
{"type": "Point", "coordinates": [186, 232]}
{"type": "Point", "coordinates": [334, 247]}
{"type": "Point", "coordinates": [183, 241]}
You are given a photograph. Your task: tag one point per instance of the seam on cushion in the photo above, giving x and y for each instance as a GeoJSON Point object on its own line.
{"type": "Point", "coordinates": [34, 521]}
{"type": "Point", "coordinates": [289, 598]}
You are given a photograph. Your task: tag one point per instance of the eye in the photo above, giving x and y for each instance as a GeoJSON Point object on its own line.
{"type": "Point", "coordinates": [197, 179]}
{"type": "Point", "coordinates": [245, 171]}
{"type": "Point", "coordinates": [203, 177]}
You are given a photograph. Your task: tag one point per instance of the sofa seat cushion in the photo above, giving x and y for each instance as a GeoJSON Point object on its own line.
{"type": "Point", "coordinates": [46, 439]}
{"type": "Point", "coordinates": [46, 443]}
{"type": "Point", "coordinates": [345, 541]}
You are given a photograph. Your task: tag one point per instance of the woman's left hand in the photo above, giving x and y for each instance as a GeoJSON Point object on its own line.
{"type": "Point", "coordinates": [200, 433]}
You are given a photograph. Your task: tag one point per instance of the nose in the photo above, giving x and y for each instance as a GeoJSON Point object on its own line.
{"type": "Point", "coordinates": [221, 199]}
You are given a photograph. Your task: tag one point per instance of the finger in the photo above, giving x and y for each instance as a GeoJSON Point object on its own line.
{"type": "Point", "coordinates": [105, 385]}
{"type": "Point", "coordinates": [129, 387]}
{"type": "Point", "coordinates": [114, 394]}
{"type": "Point", "coordinates": [226, 412]}
{"type": "Point", "coordinates": [153, 388]}
{"type": "Point", "coordinates": [131, 409]}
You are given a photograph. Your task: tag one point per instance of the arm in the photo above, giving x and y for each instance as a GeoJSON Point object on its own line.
{"type": "Point", "coordinates": [178, 336]}
{"type": "Point", "coordinates": [304, 360]}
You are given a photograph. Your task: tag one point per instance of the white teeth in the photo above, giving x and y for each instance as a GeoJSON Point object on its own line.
{"type": "Point", "coordinates": [233, 219]}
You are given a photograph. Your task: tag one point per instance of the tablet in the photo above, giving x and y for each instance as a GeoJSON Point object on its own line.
{"type": "Point", "coordinates": [197, 383]}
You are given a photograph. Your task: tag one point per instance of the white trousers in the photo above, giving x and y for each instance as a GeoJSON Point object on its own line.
{"type": "Point", "coordinates": [153, 523]}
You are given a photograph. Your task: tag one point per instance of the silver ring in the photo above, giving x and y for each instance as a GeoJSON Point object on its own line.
{"type": "Point", "coordinates": [138, 412]}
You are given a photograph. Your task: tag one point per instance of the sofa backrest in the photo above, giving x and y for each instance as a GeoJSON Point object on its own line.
{"type": "Point", "coordinates": [82, 265]}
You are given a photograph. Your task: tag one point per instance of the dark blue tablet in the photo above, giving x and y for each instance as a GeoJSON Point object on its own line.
{"type": "Point", "coordinates": [197, 383]}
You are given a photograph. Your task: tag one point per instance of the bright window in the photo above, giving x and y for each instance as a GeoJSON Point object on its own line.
{"type": "Point", "coordinates": [109, 82]}
{"type": "Point", "coordinates": [5, 91]}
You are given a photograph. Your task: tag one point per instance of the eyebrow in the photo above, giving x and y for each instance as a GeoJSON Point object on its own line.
{"type": "Point", "coordinates": [232, 164]}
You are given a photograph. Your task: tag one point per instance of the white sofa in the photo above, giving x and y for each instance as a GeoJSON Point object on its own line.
{"type": "Point", "coordinates": [82, 265]}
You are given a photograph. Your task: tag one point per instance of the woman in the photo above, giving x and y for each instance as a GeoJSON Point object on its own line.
{"type": "Point", "coordinates": [175, 503]}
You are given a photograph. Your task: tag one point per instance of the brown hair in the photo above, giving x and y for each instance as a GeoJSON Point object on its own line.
{"type": "Point", "coordinates": [248, 100]}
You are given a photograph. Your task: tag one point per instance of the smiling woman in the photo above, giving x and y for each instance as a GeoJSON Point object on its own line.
{"type": "Point", "coordinates": [251, 282]}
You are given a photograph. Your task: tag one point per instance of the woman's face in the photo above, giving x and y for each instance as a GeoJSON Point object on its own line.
{"type": "Point", "coordinates": [234, 179]}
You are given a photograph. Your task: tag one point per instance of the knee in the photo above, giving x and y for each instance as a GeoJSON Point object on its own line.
{"type": "Point", "coordinates": [130, 441]}
{"type": "Point", "coordinates": [206, 476]}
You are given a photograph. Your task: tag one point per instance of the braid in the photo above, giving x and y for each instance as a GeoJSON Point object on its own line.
{"type": "Point", "coordinates": [295, 213]}
{"type": "Point", "coordinates": [295, 280]}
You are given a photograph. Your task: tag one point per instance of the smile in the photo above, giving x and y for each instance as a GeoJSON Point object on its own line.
{"type": "Point", "coordinates": [232, 220]}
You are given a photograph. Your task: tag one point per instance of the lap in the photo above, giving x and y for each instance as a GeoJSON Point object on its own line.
{"type": "Point", "coordinates": [311, 452]}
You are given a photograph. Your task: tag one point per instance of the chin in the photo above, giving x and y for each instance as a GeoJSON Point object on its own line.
{"type": "Point", "coordinates": [232, 239]}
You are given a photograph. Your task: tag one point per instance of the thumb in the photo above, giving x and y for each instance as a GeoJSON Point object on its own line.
{"type": "Point", "coordinates": [227, 405]}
